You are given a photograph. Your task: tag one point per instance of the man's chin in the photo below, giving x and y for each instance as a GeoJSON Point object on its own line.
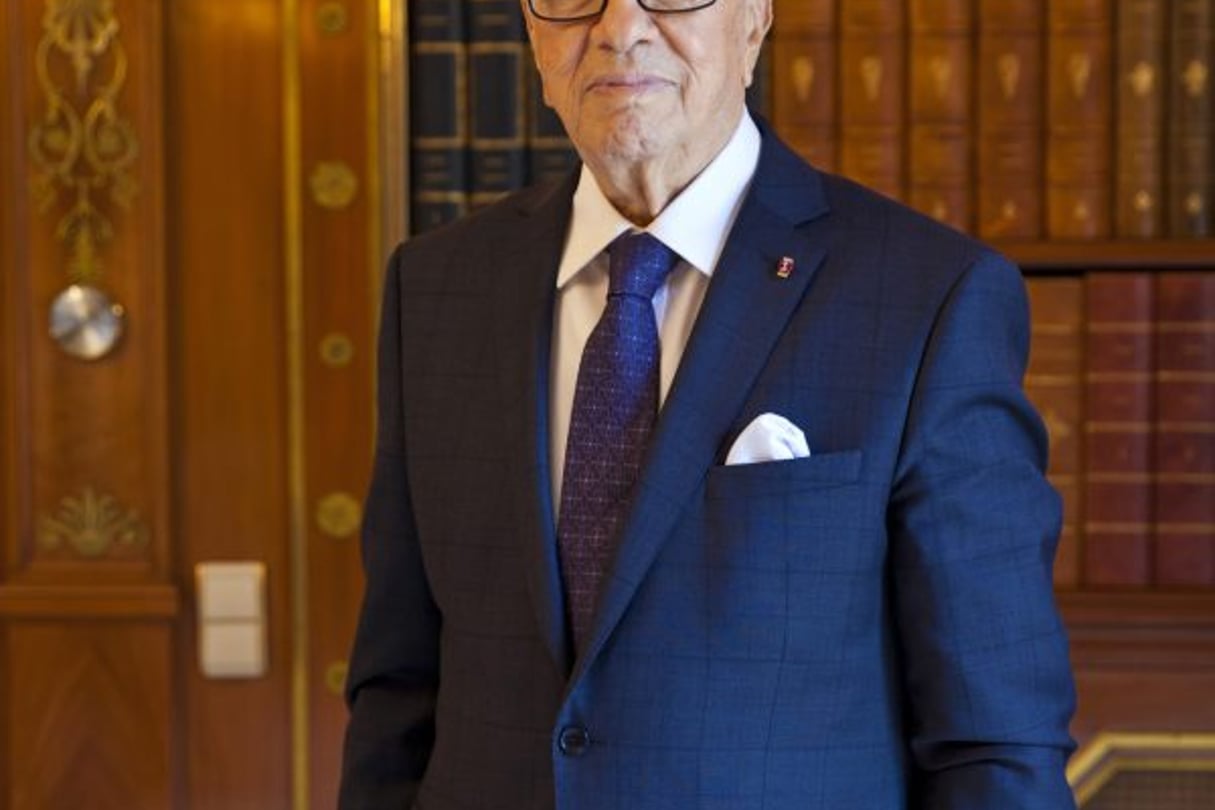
{"type": "Point", "coordinates": [631, 138]}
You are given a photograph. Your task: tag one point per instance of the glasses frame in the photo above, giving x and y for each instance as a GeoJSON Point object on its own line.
{"type": "Point", "coordinates": [531, 6]}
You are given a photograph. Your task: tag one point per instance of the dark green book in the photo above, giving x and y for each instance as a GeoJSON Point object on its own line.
{"type": "Point", "coordinates": [1191, 105]}
{"type": "Point", "coordinates": [438, 147]}
{"type": "Point", "coordinates": [550, 153]}
{"type": "Point", "coordinates": [497, 99]}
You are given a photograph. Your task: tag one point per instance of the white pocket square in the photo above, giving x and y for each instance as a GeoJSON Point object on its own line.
{"type": "Point", "coordinates": [769, 437]}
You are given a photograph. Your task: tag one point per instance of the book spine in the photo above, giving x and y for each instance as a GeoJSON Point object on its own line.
{"type": "Point", "coordinates": [939, 117]}
{"type": "Point", "coordinates": [803, 44]}
{"type": "Point", "coordinates": [1118, 423]}
{"type": "Point", "coordinates": [1054, 382]}
{"type": "Point", "coordinates": [550, 153]}
{"type": "Point", "coordinates": [1185, 429]}
{"type": "Point", "coordinates": [872, 51]}
{"type": "Point", "coordinates": [1079, 119]}
{"type": "Point", "coordinates": [1191, 164]}
{"type": "Point", "coordinates": [497, 105]}
{"type": "Point", "coordinates": [1009, 168]}
{"type": "Point", "coordinates": [438, 73]}
{"type": "Point", "coordinates": [1139, 126]}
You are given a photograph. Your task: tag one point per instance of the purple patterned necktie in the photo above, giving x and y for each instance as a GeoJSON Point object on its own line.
{"type": "Point", "coordinates": [615, 405]}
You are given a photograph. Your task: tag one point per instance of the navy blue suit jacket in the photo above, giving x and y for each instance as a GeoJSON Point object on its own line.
{"type": "Point", "coordinates": [869, 627]}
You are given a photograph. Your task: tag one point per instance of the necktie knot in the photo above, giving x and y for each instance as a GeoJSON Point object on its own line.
{"type": "Point", "coordinates": [638, 265]}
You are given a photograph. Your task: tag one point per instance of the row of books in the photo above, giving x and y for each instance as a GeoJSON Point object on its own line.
{"type": "Point", "coordinates": [478, 125]}
{"type": "Point", "coordinates": [1012, 119]}
{"type": "Point", "coordinates": [1122, 368]}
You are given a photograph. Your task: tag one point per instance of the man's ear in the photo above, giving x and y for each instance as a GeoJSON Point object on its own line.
{"type": "Point", "coordinates": [758, 21]}
{"type": "Point", "coordinates": [527, 18]}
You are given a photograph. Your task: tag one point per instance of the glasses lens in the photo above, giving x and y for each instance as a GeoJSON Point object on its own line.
{"type": "Point", "coordinates": [566, 9]}
{"type": "Point", "coordinates": [580, 9]}
{"type": "Point", "coordinates": [675, 5]}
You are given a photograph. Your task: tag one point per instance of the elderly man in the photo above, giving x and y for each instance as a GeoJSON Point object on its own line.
{"type": "Point", "coordinates": [703, 479]}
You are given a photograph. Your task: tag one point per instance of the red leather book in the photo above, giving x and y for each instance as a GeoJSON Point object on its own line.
{"type": "Point", "coordinates": [803, 46]}
{"type": "Point", "coordinates": [1011, 117]}
{"type": "Point", "coordinates": [1079, 121]}
{"type": "Point", "coordinates": [1118, 425]}
{"type": "Point", "coordinates": [939, 118]}
{"type": "Point", "coordinates": [1054, 382]}
{"type": "Point", "coordinates": [1184, 454]}
{"type": "Point", "coordinates": [871, 103]}
{"type": "Point", "coordinates": [1139, 200]}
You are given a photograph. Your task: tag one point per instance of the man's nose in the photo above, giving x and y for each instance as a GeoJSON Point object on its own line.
{"type": "Point", "coordinates": [622, 24]}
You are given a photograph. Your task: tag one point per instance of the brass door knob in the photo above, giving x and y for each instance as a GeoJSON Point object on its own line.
{"type": "Point", "coordinates": [85, 322]}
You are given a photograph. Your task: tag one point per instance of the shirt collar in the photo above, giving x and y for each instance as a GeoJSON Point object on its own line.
{"type": "Point", "coordinates": [695, 224]}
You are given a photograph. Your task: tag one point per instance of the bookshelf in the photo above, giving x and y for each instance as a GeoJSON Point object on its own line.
{"type": "Point", "coordinates": [1076, 256]}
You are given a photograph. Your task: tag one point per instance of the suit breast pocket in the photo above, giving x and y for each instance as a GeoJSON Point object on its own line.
{"type": "Point", "coordinates": [818, 471]}
{"type": "Point", "coordinates": [817, 513]}
{"type": "Point", "coordinates": [776, 553]}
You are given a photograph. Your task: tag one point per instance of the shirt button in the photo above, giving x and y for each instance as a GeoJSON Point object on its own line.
{"type": "Point", "coordinates": [574, 741]}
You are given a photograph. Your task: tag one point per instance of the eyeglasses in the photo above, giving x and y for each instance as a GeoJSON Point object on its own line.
{"type": "Point", "coordinates": [574, 10]}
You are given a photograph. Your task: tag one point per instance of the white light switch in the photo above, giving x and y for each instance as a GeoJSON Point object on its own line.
{"type": "Point", "coordinates": [230, 590]}
{"type": "Point", "coordinates": [231, 619]}
{"type": "Point", "coordinates": [233, 649]}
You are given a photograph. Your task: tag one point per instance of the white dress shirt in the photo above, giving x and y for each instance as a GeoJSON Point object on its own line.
{"type": "Point", "coordinates": [694, 225]}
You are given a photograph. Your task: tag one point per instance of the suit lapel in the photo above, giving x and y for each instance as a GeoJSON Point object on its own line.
{"type": "Point", "coordinates": [744, 313]}
{"type": "Point", "coordinates": [524, 288]}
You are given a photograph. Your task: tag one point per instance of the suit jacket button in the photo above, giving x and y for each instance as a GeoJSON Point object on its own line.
{"type": "Point", "coordinates": [574, 741]}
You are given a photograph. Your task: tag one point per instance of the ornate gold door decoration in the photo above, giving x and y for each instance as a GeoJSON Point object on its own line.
{"type": "Point", "coordinates": [338, 514]}
{"type": "Point", "coordinates": [92, 526]}
{"type": "Point", "coordinates": [82, 146]}
{"type": "Point", "coordinates": [333, 184]}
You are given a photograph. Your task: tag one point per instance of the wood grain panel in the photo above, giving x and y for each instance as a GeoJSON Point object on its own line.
{"type": "Point", "coordinates": [12, 256]}
{"type": "Point", "coordinates": [82, 601]}
{"type": "Point", "coordinates": [98, 734]}
{"type": "Point", "coordinates": [340, 271]}
{"type": "Point", "coordinates": [1143, 662]}
{"type": "Point", "coordinates": [225, 181]}
{"type": "Point", "coordinates": [90, 426]}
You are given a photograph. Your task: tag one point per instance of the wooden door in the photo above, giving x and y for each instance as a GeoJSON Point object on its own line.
{"type": "Point", "coordinates": [209, 166]}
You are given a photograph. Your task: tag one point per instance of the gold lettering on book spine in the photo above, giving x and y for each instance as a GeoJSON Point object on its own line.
{"type": "Point", "coordinates": [941, 70]}
{"type": "Point", "coordinates": [1080, 72]}
{"type": "Point", "coordinates": [1143, 79]}
{"type": "Point", "coordinates": [1195, 78]}
{"type": "Point", "coordinates": [1009, 67]}
{"type": "Point", "coordinates": [871, 75]}
{"type": "Point", "coordinates": [802, 74]}
{"type": "Point", "coordinates": [82, 146]}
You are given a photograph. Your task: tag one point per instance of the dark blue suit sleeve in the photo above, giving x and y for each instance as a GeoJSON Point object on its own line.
{"type": "Point", "coordinates": [973, 527]}
{"type": "Point", "coordinates": [394, 666]}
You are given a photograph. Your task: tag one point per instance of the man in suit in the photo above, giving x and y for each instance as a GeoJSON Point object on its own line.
{"type": "Point", "coordinates": [703, 479]}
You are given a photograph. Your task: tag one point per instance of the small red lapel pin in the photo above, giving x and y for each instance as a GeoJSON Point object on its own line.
{"type": "Point", "coordinates": [784, 268]}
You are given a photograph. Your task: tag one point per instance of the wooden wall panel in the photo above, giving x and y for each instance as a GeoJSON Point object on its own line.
{"type": "Point", "coordinates": [12, 256]}
{"type": "Point", "coordinates": [339, 269]}
{"type": "Point", "coordinates": [97, 734]}
{"type": "Point", "coordinates": [90, 448]}
{"type": "Point", "coordinates": [85, 705]}
{"type": "Point", "coordinates": [226, 238]}
{"type": "Point", "coordinates": [237, 269]}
